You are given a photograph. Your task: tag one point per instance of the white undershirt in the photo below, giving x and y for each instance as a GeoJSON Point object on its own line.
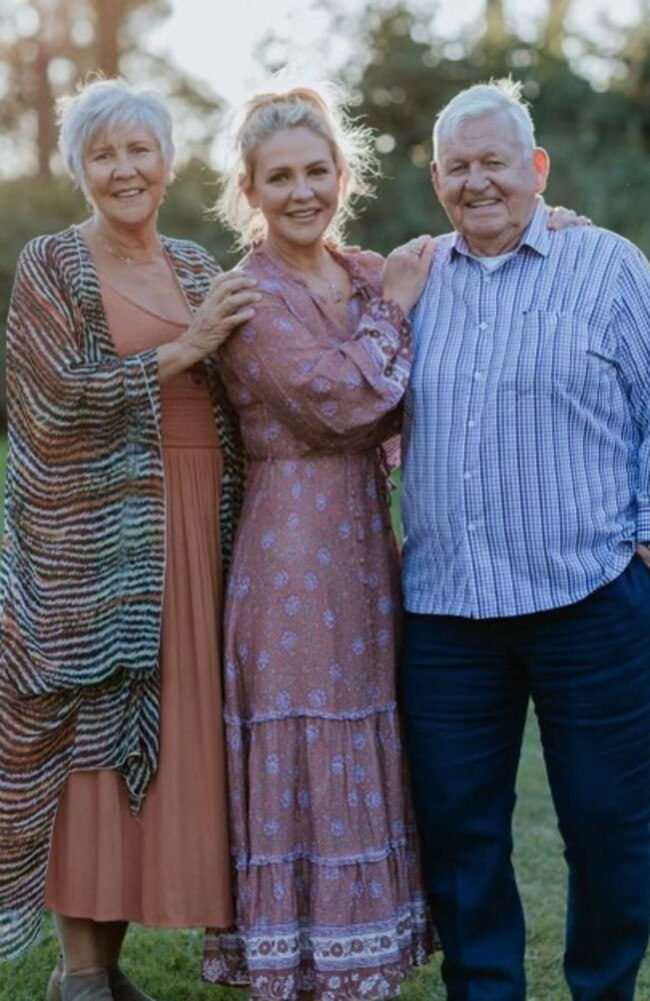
{"type": "Point", "coordinates": [492, 263]}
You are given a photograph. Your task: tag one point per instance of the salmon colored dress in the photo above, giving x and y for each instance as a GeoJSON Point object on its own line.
{"type": "Point", "coordinates": [169, 866]}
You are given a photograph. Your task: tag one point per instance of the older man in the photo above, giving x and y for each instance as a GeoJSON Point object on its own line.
{"type": "Point", "coordinates": [526, 572]}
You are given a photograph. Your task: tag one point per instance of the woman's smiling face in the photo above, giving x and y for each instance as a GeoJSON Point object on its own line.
{"type": "Point", "coordinates": [295, 184]}
{"type": "Point", "coordinates": [125, 175]}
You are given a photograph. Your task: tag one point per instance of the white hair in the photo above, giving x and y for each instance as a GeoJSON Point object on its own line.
{"type": "Point", "coordinates": [101, 106]}
{"type": "Point", "coordinates": [485, 99]}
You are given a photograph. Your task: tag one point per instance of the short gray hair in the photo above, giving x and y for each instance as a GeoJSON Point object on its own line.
{"type": "Point", "coordinates": [103, 105]}
{"type": "Point", "coordinates": [486, 99]}
{"type": "Point", "coordinates": [307, 107]}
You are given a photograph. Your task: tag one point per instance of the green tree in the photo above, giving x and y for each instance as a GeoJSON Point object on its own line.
{"type": "Point", "coordinates": [47, 46]}
{"type": "Point", "coordinates": [598, 140]}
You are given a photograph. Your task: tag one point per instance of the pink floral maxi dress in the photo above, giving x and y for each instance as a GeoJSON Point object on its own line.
{"type": "Point", "coordinates": [328, 894]}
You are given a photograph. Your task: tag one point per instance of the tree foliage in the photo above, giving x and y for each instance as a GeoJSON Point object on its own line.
{"type": "Point", "coordinates": [47, 46]}
{"type": "Point", "coordinates": [599, 140]}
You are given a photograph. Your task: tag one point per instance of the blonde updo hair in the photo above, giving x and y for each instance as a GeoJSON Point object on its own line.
{"type": "Point", "coordinates": [262, 116]}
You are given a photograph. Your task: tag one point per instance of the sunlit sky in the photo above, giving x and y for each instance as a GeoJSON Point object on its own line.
{"type": "Point", "coordinates": [215, 40]}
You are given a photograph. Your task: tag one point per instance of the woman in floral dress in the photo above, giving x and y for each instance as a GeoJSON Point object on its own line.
{"type": "Point", "coordinates": [329, 899]}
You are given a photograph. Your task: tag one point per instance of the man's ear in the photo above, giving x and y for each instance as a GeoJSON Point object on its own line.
{"type": "Point", "coordinates": [435, 177]}
{"type": "Point", "coordinates": [541, 166]}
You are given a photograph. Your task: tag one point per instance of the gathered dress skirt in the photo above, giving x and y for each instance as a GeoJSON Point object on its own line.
{"type": "Point", "coordinates": [169, 865]}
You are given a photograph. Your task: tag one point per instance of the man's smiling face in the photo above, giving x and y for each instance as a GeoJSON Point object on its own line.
{"type": "Point", "coordinates": [487, 181]}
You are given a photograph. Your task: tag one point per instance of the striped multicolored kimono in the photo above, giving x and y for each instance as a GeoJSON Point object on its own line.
{"type": "Point", "coordinates": [83, 564]}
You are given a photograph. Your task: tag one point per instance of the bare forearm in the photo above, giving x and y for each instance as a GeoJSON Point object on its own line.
{"type": "Point", "coordinates": [174, 358]}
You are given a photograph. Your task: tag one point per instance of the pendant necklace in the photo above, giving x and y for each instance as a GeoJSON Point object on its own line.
{"type": "Point", "coordinates": [336, 293]}
{"type": "Point", "coordinates": [123, 257]}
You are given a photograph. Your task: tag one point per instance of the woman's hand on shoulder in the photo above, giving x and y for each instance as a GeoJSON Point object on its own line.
{"type": "Point", "coordinates": [406, 271]}
{"type": "Point", "coordinates": [560, 218]}
{"type": "Point", "coordinates": [229, 303]}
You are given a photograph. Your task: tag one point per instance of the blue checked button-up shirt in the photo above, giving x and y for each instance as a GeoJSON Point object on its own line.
{"type": "Point", "coordinates": [527, 431]}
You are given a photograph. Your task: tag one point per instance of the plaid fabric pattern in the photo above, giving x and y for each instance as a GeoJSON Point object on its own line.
{"type": "Point", "coordinates": [527, 430]}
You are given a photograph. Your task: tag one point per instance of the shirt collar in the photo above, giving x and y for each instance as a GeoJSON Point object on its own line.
{"type": "Point", "coordinates": [534, 236]}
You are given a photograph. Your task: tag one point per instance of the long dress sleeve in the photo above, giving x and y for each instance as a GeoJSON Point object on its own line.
{"type": "Point", "coordinates": [330, 394]}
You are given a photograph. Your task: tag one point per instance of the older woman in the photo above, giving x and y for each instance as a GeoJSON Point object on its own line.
{"type": "Point", "coordinates": [124, 477]}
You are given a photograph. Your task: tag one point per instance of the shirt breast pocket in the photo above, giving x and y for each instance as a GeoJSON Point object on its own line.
{"type": "Point", "coordinates": [560, 352]}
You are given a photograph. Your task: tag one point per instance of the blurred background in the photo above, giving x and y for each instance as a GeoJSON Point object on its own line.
{"type": "Point", "coordinates": [584, 64]}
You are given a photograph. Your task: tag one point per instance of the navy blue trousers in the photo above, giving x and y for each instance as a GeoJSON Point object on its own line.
{"type": "Point", "coordinates": [466, 685]}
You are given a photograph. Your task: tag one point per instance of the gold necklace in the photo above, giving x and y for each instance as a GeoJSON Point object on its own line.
{"type": "Point", "coordinates": [336, 293]}
{"type": "Point", "coordinates": [124, 258]}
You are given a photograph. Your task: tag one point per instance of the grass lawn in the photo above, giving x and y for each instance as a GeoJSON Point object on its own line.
{"type": "Point", "coordinates": [166, 964]}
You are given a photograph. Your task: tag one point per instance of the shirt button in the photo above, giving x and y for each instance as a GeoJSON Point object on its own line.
{"type": "Point", "coordinates": [467, 476]}
{"type": "Point", "coordinates": [483, 326]}
{"type": "Point", "coordinates": [471, 423]}
{"type": "Point", "coordinates": [471, 527]}
{"type": "Point", "coordinates": [478, 376]}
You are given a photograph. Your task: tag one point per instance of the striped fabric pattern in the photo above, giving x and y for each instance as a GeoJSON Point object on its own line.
{"type": "Point", "coordinates": [527, 442]}
{"type": "Point", "coordinates": [83, 562]}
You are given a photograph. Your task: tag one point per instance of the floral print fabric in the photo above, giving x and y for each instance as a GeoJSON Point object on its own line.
{"type": "Point", "coordinates": [329, 900]}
